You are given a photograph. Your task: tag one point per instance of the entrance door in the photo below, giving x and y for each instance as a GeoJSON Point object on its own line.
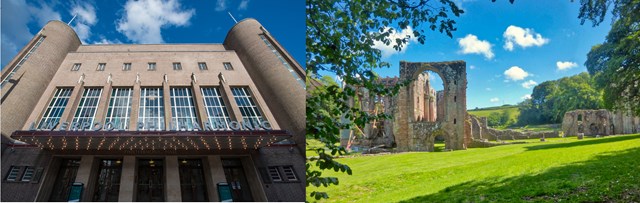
{"type": "Point", "coordinates": [64, 180]}
{"type": "Point", "coordinates": [236, 178]}
{"type": "Point", "coordinates": [150, 180]}
{"type": "Point", "coordinates": [108, 181]}
{"type": "Point", "coordinates": [192, 181]}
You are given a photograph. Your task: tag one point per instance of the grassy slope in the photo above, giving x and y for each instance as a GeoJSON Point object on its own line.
{"type": "Point", "coordinates": [594, 169]}
{"type": "Point", "coordinates": [485, 112]}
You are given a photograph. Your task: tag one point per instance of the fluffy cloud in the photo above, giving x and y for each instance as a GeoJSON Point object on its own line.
{"type": "Point", "coordinates": [516, 73]}
{"type": "Point", "coordinates": [564, 65]}
{"type": "Point", "coordinates": [244, 4]}
{"type": "Point", "coordinates": [488, 89]}
{"type": "Point", "coordinates": [143, 20]}
{"type": "Point", "coordinates": [494, 100]}
{"type": "Point", "coordinates": [523, 37]}
{"type": "Point", "coordinates": [472, 67]}
{"type": "Point", "coordinates": [472, 45]}
{"type": "Point", "coordinates": [21, 14]}
{"type": "Point", "coordinates": [529, 84]}
{"type": "Point", "coordinates": [221, 5]}
{"type": "Point", "coordinates": [86, 17]}
{"type": "Point", "coordinates": [104, 40]}
{"type": "Point", "coordinates": [526, 96]}
{"type": "Point", "coordinates": [388, 50]}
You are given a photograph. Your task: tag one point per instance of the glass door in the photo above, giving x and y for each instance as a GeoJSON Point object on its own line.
{"type": "Point", "coordinates": [192, 181]}
{"type": "Point", "coordinates": [64, 180]}
{"type": "Point", "coordinates": [150, 180]}
{"type": "Point", "coordinates": [108, 181]}
{"type": "Point", "coordinates": [236, 178]}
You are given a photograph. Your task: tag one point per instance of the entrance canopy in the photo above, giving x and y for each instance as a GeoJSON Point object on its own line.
{"type": "Point", "coordinates": [151, 140]}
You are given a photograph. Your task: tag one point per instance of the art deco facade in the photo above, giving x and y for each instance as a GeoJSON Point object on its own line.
{"type": "Point", "coordinates": [157, 122]}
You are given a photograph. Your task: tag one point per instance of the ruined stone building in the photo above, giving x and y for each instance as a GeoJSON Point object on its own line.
{"type": "Point", "coordinates": [153, 122]}
{"type": "Point", "coordinates": [599, 122]}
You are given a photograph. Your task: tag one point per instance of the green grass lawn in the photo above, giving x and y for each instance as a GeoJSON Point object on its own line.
{"type": "Point", "coordinates": [561, 169]}
{"type": "Point", "coordinates": [485, 112]}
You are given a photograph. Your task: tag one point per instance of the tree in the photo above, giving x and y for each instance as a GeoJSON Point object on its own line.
{"type": "Point", "coordinates": [340, 39]}
{"type": "Point", "coordinates": [551, 99]}
{"type": "Point", "coordinates": [616, 63]}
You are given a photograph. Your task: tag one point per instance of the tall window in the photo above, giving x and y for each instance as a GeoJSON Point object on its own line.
{"type": "Point", "coordinates": [88, 106]}
{"type": "Point", "coordinates": [119, 108]}
{"type": "Point", "coordinates": [24, 59]}
{"type": "Point", "coordinates": [283, 60]}
{"type": "Point", "coordinates": [126, 66]}
{"type": "Point", "coordinates": [177, 66]}
{"type": "Point", "coordinates": [248, 108]}
{"type": "Point", "coordinates": [76, 67]}
{"type": "Point", "coordinates": [152, 66]}
{"type": "Point", "coordinates": [101, 66]}
{"type": "Point", "coordinates": [55, 109]}
{"type": "Point", "coordinates": [183, 110]}
{"type": "Point", "coordinates": [227, 66]}
{"type": "Point", "coordinates": [202, 66]}
{"type": "Point", "coordinates": [151, 108]}
{"type": "Point", "coordinates": [216, 109]}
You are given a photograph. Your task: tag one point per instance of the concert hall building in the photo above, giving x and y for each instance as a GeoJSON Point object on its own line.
{"type": "Point", "coordinates": [153, 122]}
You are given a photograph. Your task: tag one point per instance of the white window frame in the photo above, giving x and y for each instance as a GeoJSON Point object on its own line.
{"type": "Point", "coordinates": [56, 106]}
{"type": "Point", "coordinates": [211, 96]}
{"type": "Point", "coordinates": [227, 66]}
{"type": "Point", "coordinates": [83, 107]}
{"type": "Point", "coordinates": [114, 107]}
{"type": "Point", "coordinates": [126, 66]}
{"type": "Point", "coordinates": [249, 109]}
{"type": "Point", "coordinates": [76, 66]}
{"type": "Point", "coordinates": [101, 66]}
{"type": "Point", "coordinates": [13, 173]}
{"type": "Point", "coordinates": [202, 66]}
{"type": "Point", "coordinates": [158, 120]}
{"type": "Point", "coordinates": [151, 66]}
{"type": "Point", "coordinates": [177, 66]}
{"type": "Point", "coordinates": [182, 101]}
{"type": "Point", "coordinates": [28, 174]}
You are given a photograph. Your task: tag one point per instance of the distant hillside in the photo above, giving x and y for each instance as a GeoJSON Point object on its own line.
{"type": "Point", "coordinates": [485, 112]}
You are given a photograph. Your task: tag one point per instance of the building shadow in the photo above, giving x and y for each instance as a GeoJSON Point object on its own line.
{"type": "Point", "coordinates": [585, 142]}
{"type": "Point", "coordinates": [611, 177]}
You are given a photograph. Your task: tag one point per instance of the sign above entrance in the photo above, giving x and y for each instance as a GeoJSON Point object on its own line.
{"type": "Point", "coordinates": [113, 126]}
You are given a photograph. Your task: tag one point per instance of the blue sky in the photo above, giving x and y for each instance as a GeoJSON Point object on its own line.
{"type": "Point", "coordinates": [152, 21]}
{"type": "Point", "coordinates": [508, 47]}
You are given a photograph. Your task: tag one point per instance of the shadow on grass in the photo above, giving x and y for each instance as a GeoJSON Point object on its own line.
{"type": "Point", "coordinates": [611, 177]}
{"type": "Point", "coordinates": [585, 142]}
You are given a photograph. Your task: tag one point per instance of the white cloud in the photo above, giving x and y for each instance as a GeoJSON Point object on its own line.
{"type": "Point", "coordinates": [16, 15]}
{"type": "Point", "coordinates": [143, 20]}
{"type": "Point", "coordinates": [494, 100]}
{"type": "Point", "coordinates": [523, 37]}
{"type": "Point", "coordinates": [104, 40]}
{"type": "Point", "coordinates": [472, 45]}
{"type": "Point", "coordinates": [488, 89]}
{"type": "Point", "coordinates": [244, 4]}
{"type": "Point", "coordinates": [221, 5]}
{"type": "Point", "coordinates": [86, 17]}
{"type": "Point", "coordinates": [516, 73]}
{"type": "Point", "coordinates": [388, 50]}
{"type": "Point", "coordinates": [472, 67]}
{"type": "Point", "coordinates": [564, 65]}
{"type": "Point", "coordinates": [526, 96]}
{"type": "Point", "coordinates": [529, 84]}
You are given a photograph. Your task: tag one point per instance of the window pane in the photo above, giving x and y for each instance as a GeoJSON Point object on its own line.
{"type": "Point", "coordinates": [56, 107]}
{"type": "Point", "coordinates": [151, 108]}
{"type": "Point", "coordinates": [183, 108]}
{"type": "Point", "coordinates": [248, 108]}
{"type": "Point", "coordinates": [119, 111]}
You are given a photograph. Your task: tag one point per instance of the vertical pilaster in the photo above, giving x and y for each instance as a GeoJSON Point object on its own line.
{"type": "Point", "coordinates": [217, 175]}
{"type": "Point", "coordinates": [103, 104]}
{"type": "Point", "coordinates": [84, 172]}
{"type": "Point", "coordinates": [255, 183]}
{"type": "Point", "coordinates": [166, 91]}
{"type": "Point", "coordinates": [199, 102]}
{"type": "Point", "coordinates": [173, 179]}
{"type": "Point", "coordinates": [135, 107]}
{"type": "Point", "coordinates": [225, 90]}
{"type": "Point", "coordinates": [127, 179]}
{"type": "Point", "coordinates": [74, 100]}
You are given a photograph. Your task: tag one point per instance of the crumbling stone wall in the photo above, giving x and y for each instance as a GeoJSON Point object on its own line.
{"type": "Point", "coordinates": [481, 132]}
{"type": "Point", "coordinates": [599, 122]}
{"type": "Point", "coordinates": [451, 123]}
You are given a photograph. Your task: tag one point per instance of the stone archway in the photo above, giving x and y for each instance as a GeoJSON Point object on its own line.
{"type": "Point", "coordinates": [413, 135]}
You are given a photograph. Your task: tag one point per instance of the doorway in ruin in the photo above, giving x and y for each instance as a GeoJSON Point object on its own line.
{"type": "Point", "coordinates": [416, 132]}
{"type": "Point", "coordinates": [428, 104]}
